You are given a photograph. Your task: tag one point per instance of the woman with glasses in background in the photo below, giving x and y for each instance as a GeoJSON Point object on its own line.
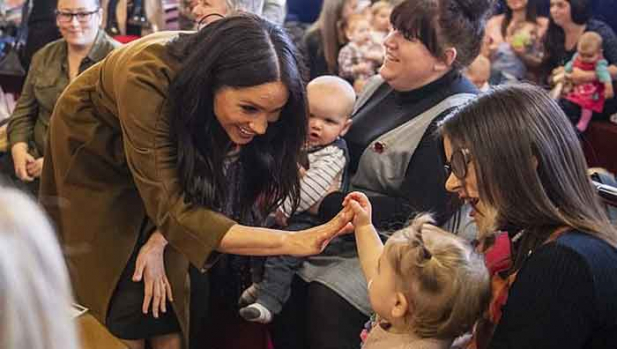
{"type": "Point", "coordinates": [51, 70]}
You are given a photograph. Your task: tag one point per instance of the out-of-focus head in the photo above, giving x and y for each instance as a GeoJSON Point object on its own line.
{"type": "Point", "coordinates": [589, 47]}
{"type": "Point", "coordinates": [381, 11]}
{"type": "Point", "coordinates": [357, 28]}
{"type": "Point", "coordinates": [479, 71]}
{"type": "Point", "coordinates": [430, 38]}
{"type": "Point", "coordinates": [79, 21]}
{"type": "Point", "coordinates": [35, 294]}
{"type": "Point", "coordinates": [567, 12]}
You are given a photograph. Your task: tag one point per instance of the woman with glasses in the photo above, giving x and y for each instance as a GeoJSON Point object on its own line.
{"type": "Point", "coordinates": [394, 159]}
{"type": "Point", "coordinates": [53, 67]}
{"type": "Point", "coordinates": [514, 156]}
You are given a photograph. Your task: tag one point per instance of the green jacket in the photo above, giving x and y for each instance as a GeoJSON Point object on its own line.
{"type": "Point", "coordinates": [47, 78]}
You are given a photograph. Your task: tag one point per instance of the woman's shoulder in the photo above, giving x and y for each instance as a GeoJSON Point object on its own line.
{"type": "Point", "coordinates": [601, 28]}
{"type": "Point", "coordinates": [53, 51]}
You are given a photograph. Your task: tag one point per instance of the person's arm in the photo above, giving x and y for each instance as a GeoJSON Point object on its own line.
{"type": "Point", "coordinates": [20, 129]}
{"type": "Point", "coordinates": [551, 303]}
{"type": "Point", "coordinates": [150, 152]}
{"type": "Point", "coordinates": [369, 244]}
{"type": "Point", "coordinates": [317, 180]}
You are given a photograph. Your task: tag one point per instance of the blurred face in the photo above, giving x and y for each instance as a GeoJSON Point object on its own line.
{"type": "Point", "coordinates": [349, 8]}
{"type": "Point", "coordinates": [360, 32]}
{"type": "Point", "coordinates": [408, 64]}
{"type": "Point", "coordinates": [246, 112]}
{"type": "Point", "coordinates": [589, 53]}
{"type": "Point", "coordinates": [327, 118]}
{"type": "Point", "coordinates": [517, 5]}
{"type": "Point", "coordinates": [208, 11]}
{"type": "Point", "coordinates": [78, 21]}
{"type": "Point", "coordinates": [382, 289]}
{"type": "Point", "coordinates": [561, 13]}
{"type": "Point", "coordinates": [381, 20]}
{"type": "Point", "coordinates": [463, 181]}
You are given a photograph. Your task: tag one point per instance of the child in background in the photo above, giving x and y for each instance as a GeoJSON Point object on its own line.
{"type": "Point", "coordinates": [381, 11]}
{"type": "Point", "coordinates": [426, 286]}
{"type": "Point", "coordinates": [479, 73]}
{"type": "Point", "coordinates": [330, 101]}
{"type": "Point", "coordinates": [590, 96]}
{"type": "Point", "coordinates": [360, 58]}
{"type": "Point", "coordinates": [521, 40]}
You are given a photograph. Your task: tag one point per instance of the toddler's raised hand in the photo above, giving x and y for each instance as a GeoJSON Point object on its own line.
{"type": "Point", "coordinates": [361, 207]}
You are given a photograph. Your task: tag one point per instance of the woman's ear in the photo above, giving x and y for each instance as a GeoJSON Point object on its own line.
{"type": "Point", "coordinates": [448, 58]}
{"type": "Point", "coordinates": [401, 307]}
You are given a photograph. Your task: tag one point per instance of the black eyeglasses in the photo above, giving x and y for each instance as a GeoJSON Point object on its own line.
{"type": "Point", "coordinates": [458, 163]}
{"type": "Point", "coordinates": [82, 17]}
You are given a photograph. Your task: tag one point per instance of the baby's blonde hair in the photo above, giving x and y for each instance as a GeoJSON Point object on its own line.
{"type": "Point", "coordinates": [35, 294]}
{"type": "Point", "coordinates": [444, 280]}
{"type": "Point", "coordinates": [380, 5]}
{"type": "Point", "coordinates": [590, 40]}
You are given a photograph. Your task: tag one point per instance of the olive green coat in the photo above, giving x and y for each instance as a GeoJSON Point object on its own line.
{"type": "Point", "coordinates": [110, 165]}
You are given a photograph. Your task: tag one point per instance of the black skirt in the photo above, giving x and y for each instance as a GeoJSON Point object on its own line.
{"type": "Point", "coordinates": [125, 319]}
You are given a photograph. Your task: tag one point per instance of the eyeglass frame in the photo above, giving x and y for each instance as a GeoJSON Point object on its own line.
{"type": "Point", "coordinates": [450, 168]}
{"type": "Point", "coordinates": [87, 15]}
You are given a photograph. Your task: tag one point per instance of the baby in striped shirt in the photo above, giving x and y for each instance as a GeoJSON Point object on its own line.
{"type": "Point", "coordinates": [330, 101]}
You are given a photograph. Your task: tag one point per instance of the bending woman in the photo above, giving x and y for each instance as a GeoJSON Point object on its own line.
{"type": "Point", "coordinates": [180, 132]}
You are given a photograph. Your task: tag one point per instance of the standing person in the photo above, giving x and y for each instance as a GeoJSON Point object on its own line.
{"type": "Point", "coordinates": [568, 21]}
{"type": "Point", "coordinates": [176, 132]}
{"type": "Point", "coordinates": [394, 159]}
{"type": "Point", "coordinates": [82, 45]}
{"type": "Point", "coordinates": [32, 269]}
{"type": "Point", "coordinates": [563, 278]}
{"type": "Point", "coordinates": [325, 38]}
{"type": "Point", "coordinates": [42, 27]}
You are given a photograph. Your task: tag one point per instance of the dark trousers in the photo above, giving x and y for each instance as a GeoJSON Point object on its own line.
{"type": "Point", "coordinates": [315, 317]}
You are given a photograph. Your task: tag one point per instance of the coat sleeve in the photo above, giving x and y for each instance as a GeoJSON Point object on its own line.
{"type": "Point", "coordinates": [21, 124]}
{"type": "Point", "coordinates": [141, 90]}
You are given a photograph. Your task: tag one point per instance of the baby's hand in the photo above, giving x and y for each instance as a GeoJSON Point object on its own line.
{"type": "Point", "coordinates": [361, 207]}
{"type": "Point", "coordinates": [609, 92]}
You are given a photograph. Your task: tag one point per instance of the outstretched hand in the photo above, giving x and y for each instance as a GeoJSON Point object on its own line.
{"type": "Point", "coordinates": [150, 266]}
{"type": "Point", "coordinates": [361, 207]}
{"type": "Point", "coordinates": [314, 240]}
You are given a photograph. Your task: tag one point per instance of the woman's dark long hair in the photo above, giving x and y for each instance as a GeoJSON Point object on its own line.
{"type": "Point", "coordinates": [555, 37]}
{"type": "Point", "coordinates": [238, 51]}
{"type": "Point", "coordinates": [531, 15]}
{"type": "Point", "coordinates": [543, 183]}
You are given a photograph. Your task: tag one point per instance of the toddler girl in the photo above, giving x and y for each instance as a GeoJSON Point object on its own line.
{"type": "Point", "coordinates": [426, 286]}
{"type": "Point", "coordinates": [590, 96]}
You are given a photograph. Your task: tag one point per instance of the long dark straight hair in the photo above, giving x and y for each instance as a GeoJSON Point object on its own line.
{"type": "Point", "coordinates": [237, 51]}
{"type": "Point", "coordinates": [555, 37]}
{"type": "Point", "coordinates": [529, 163]}
{"type": "Point", "coordinates": [531, 15]}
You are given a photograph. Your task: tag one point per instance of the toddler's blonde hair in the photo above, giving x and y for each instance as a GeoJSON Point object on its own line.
{"type": "Point", "coordinates": [444, 280]}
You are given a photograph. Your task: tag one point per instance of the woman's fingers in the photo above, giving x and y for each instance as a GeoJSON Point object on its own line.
{"type": "Point", "coordinates": [148, 289]}
{"type": "Point", "coordinates": [168, 289]}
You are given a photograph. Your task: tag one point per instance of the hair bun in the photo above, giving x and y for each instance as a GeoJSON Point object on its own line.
{"type": "Point", "coordinates": [475, 9]}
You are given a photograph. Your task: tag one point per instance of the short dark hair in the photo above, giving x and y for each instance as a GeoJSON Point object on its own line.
{"type": "Point", "coordinates": [441, 23]}
{"type": "Point", "coordinates": [543, 184]}
{"type": "Point", "coordinates": [531, 15]}
{"type": "Point", "coordinates": [238, 51]}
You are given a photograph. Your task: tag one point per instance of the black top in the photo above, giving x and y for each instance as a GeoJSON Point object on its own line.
{"type": "Point", "coordinates": [423, 189]}
{"type": "Point", "coordinates": [564, 296]}
{"type": "Point", "coordinates": [609, 45]}
{"type": "Point", "coordinates": [313, 45]}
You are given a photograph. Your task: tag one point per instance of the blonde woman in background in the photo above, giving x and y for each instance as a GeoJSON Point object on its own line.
{"type": "Point", "coordinates": [32, 270]}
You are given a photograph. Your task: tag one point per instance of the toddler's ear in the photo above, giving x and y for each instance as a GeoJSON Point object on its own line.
{"type": "Point", "coordinates": [401, 307]}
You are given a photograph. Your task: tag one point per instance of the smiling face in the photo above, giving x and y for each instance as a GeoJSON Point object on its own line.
{"type": "Point", "coordinates": [246, 112]}
{"type": "Point", "coordinates": [208, 11]}
{"type": "Point", "coordinates": [78, 21]}
{"type": "Point", "coordinates": [408, 64]}
{"type": "Point", "coordinates": [467, 188]}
